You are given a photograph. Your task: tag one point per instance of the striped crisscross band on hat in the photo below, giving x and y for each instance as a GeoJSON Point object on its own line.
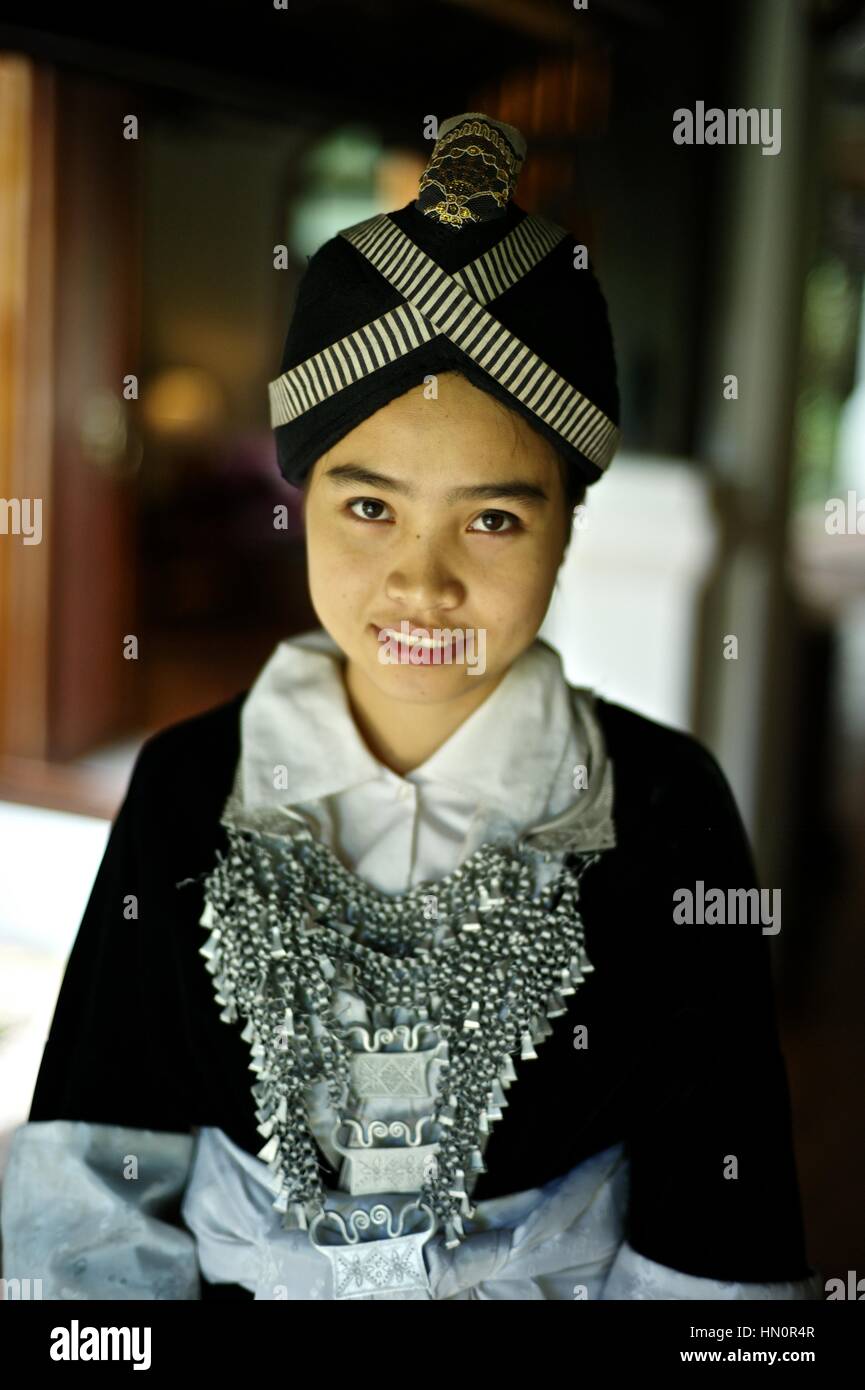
{"type": "Point", "coordinates": [436, 303]}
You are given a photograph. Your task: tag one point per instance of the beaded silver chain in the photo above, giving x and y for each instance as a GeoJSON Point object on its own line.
{"type": "Point", "coordinates": [479, 953]}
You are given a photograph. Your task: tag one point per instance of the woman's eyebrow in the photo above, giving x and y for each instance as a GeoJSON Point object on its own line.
{"type": "Point", "coordinates": [519, 489]}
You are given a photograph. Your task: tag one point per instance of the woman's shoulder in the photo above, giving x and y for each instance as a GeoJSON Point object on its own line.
{"type": "Point", "coordinates": [191, 762]}
{"type": "Point", "coordinates": [672, 799]}
{"type": "Point", "coordinates": [214, 729]}
{"type": "Point", "coordinates": [634, 736]}
{"type": "Point", "coordinates": [656, 764]}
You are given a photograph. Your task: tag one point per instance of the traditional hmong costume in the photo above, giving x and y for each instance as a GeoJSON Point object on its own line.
{"type": "Point", "coordinates": [426, 1037]}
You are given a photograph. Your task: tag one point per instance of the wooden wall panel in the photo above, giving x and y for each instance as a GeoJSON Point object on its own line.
{"type": "Point", "coordinates": [27, 95]}
{"type": "Point", "coordinates": [69, 314]}
{"type": "Point", "coordinates": [94, 693]}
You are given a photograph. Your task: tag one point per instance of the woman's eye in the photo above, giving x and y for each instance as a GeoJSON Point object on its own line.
{"type": "Point", "coordinates": [366, 503]}
{"type": "Point", "coordinates": [498, 517]}
{"type": "Point", "coordinates": [370, 509]}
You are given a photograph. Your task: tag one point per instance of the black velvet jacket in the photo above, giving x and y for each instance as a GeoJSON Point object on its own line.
{"type": "Point", "coordinates": [683, 1061]}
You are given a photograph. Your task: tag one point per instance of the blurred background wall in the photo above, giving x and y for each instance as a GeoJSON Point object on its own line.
{"type": "Point", "coordinates": [142, 315]}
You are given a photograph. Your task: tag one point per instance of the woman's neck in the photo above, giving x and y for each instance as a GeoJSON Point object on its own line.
{"type": "Point", "coordinates": [402, 734]}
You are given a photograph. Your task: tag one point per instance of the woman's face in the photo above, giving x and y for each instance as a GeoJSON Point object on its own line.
{"type": "Point", "coordinates": [444, 513]}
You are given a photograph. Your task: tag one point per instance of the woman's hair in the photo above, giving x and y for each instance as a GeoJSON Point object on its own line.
{"type": "Point", "coordinates": [575, 487]}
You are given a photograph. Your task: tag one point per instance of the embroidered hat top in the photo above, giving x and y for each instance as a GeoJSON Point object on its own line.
{"type": "Point", "coordinates": [460, 279]}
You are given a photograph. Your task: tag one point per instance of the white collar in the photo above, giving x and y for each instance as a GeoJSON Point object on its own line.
{"type": "Point", "coordinates": [507, 753]}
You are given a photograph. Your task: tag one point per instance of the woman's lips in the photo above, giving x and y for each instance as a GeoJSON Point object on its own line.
{"type": "Point", "coordinates": [415, 637]}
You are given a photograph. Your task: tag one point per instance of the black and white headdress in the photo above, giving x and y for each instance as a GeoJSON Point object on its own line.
{"type": "Point", "coordinates": [461, 278]}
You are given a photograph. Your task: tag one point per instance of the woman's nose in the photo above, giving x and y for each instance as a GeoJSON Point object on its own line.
{"type": "Point", "coordinates": [423, 580]}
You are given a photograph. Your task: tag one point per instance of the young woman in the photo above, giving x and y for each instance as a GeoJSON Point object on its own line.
{"type": "Point", "coordinates": [381, 991]}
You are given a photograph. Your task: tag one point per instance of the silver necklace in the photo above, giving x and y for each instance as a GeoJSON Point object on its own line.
{"type": "Point", "coordinates": [480, 954]}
